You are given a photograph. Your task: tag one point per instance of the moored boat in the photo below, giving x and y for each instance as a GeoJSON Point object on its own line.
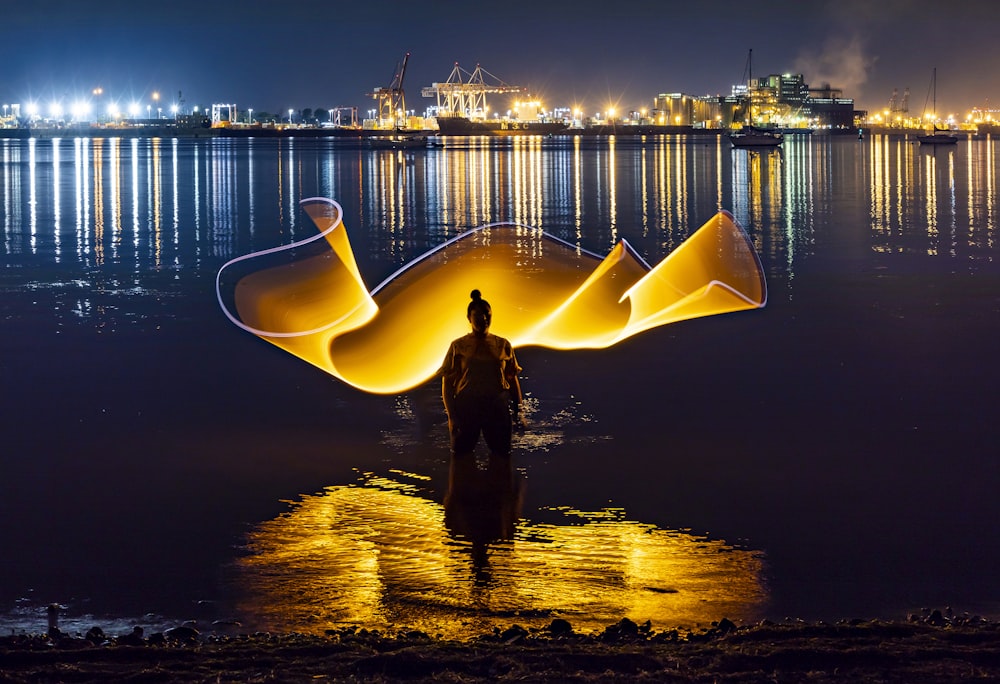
{"type": "Point", "coordinates": [752, 136]}
{"type": "Point", "coordinates": [397, 142]}
{"type": "Point", "coordinates": [937, 136]}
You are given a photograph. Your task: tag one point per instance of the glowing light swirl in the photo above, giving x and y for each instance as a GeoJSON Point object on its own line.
{"type": "Point", "coordinates": [544, 292]}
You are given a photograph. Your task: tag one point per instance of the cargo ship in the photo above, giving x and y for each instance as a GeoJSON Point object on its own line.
{"type": "Point", "coordinates": [456, 124]}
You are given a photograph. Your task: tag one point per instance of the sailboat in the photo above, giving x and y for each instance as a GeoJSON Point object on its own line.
{"type": "Point", "coordinates": [750, 135]}
{"type": "Point", "coordinates": [937, 136]}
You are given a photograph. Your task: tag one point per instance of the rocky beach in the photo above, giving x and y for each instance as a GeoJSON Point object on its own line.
{"type": "Point", "coordinates": [934, 646]}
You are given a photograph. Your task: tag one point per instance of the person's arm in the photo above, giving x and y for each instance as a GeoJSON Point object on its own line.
{"type": "Point", "coordinates": [448, 383]}
{"type": "Point", "coordinates": [447, 395]}
{"type": "Point", "coordinates": [511, 369]}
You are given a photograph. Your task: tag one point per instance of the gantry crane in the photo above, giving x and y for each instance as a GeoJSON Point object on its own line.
{"type": "Point", "coordinates": [467, 96]}
{"type": "Point", "coordinates": [392, 99]}
{"type": "Point", "coordinates": [899, 107]}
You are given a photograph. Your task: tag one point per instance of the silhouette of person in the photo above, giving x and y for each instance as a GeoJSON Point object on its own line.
{"type": "Point", "coordinates": [479, 386]}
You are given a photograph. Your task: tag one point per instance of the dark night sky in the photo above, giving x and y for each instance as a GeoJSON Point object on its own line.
{"type": "Point", "coordinates": [273, 55]}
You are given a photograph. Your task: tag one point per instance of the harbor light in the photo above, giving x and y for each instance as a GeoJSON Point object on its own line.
{"type": "Point", "coordinates": [55, 110]}
{"type": "Point", "coordinates": [133, 109]}
{"type": "Point", "coordinates": [290, 112]}
{"type": "Point", "coordinates": [79, 110]}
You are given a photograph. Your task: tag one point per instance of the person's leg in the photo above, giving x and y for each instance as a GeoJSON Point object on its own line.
{"type": "Point", "coordinates": [465, 428]}
{"type": "Point", "coordinates": [497, 426]}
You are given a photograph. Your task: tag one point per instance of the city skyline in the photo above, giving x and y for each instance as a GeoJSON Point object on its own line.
{"type": "Point", "coordinates": [311, 54]}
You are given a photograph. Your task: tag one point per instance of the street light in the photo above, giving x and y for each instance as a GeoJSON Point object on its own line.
{"type": "Point", "coordinates": [250, 116]}
{"type": "Point", "coordinates": [290, 112]}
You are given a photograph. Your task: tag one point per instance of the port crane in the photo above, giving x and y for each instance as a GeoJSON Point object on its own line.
{"type": "Point", "coordinates": [899, 108]}
{"type": "Point", "coordinates": [344, 117]}
{"type": "Point", "coordinates": [465, 93]}
{"type": "Point", "coordinates": [392, 100]}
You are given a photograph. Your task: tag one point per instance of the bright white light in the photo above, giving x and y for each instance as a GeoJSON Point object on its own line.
{"type": "Point", "coordinates": [174, 108]}
{"type": "Point", "coordinates": [133, 109]}
{"type": "Point", "coordinates": [80, 110]}
{"type": "Point", "coordinates": [55, 110]}
{"type": "Point", "coordinates": [31, 108]}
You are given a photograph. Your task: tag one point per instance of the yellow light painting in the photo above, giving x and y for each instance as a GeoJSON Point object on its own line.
{"type": "Point", "coordinates": [544, 292]}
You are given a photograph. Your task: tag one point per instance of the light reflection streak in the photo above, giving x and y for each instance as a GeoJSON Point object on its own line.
{"type": "Point", "coordinates": [80, 195]}
{"type": "Point", "coordinates": [991, 192]}
{"type": "Point", "coordinates": [32, 195]}
{"type": "Point", "coordinates": [612, 192]}
{"type": "Point", "coordinates": [56, 199]}
{"type": "Point", "coordinates": [156, 219]}
{"type": "Point", "coordinates": [134, 166]}
{"type": "Point", "coordinates": [98, 166]}
{"type": "Point", "coordinates": [952, 202]}
{"type": "Point", "coordinates": [381, 555]}
{"type": "Point", "coordinates": [930, 203]}
{"type": "Point", "coordinates": [175, 186]}
{"type": "Point", "coordinates": [116, 195]}
{"type": "Point", "coordinates": [8, 195]}
{"type": "Point", "coordinates": [799, 199]}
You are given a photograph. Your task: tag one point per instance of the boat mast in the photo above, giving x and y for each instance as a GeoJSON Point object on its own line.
{"type": "Point", "coordinates": [934, 94]}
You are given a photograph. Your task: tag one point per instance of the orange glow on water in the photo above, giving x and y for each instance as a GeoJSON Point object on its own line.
{"type": "Point", "coordinates": [380, 555]}
{"type": "Point", "coordinates": [544, 292]}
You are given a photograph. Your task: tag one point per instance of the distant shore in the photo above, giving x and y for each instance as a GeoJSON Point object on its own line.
{"type": "Point", "coordinates": [926, 648]}
{"type": "Point", "coordinates": [359, 135]}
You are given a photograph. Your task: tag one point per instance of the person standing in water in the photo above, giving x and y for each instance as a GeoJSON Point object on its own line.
{"type": "Point", "coordinates": [479, 386]}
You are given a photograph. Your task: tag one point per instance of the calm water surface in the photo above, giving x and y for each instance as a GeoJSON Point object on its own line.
{"type": "Point", "coordinates": [832, 455]}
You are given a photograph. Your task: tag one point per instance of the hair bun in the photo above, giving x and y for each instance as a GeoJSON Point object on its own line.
{"type": "Point", "coordinates": [476, 295]}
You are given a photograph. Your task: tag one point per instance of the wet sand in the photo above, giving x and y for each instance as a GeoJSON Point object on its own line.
{"type": "Point", "coordinates": [930, 647]}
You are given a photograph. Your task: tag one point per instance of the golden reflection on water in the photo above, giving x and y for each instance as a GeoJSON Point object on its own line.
{"type": "Point", "coordinates": [380, 554]}
{"type": "Point", "coordinates": [104, 202]}
{"type": "Point", "coordinates": [924, 201]}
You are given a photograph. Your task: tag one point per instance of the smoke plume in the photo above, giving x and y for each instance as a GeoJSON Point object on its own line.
{"type": "Point", "coordinates": [839, 61]}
